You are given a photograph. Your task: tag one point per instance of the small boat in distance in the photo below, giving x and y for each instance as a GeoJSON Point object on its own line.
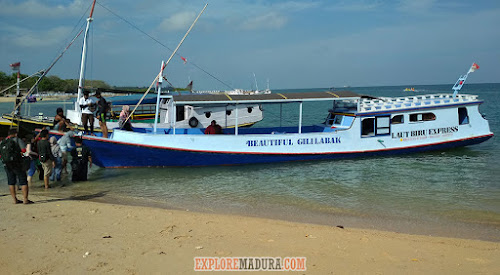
{"type": "Point", "coordinates": [410, 90]}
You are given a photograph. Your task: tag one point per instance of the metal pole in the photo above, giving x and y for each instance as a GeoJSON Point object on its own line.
{"type": "Point", "coordinates": [158, 93]}
{"type": "Point", "coordinates": [84, 59]}
{"type": "Point", "coordinates": [300, 118]}
{"type": "Point", "coordinates": [236, 121]}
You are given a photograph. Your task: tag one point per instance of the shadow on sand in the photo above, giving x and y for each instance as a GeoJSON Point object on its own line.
{"type": "Point", "coordinates": [76, 197]}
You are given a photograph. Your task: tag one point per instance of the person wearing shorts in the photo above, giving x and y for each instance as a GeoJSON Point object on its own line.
{"type": "Point", "coordinates": [16, 175]}
{"type": "Point", "coordinates": [46, 157]}
{"type": "Point", "coordinates": [86, 104]}
{"type": "Point", "coordinates": [102, 108]}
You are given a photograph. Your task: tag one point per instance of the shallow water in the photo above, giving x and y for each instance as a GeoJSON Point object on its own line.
{"type": "Point", "coordinates": [452, 193]}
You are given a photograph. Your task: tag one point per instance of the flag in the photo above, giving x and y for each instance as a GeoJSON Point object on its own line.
{"type": "Point", "coordinates": [184, 59]}
{"type": "Point", "coordinates": [473, 68]}
{"type": "Point", "coordinates": [15, 66]}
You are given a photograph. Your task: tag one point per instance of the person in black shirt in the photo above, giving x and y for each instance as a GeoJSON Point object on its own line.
{"type": "Point", "coordinates": [45, 156]}
{"type": "Point", "coordinates": [81, 160]}
{"type": "Point", "coordinates": [102, 109]}
{"type": "Point", "coordinates": [13, 168]}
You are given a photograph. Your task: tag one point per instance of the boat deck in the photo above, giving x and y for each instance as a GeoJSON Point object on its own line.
{"type": "Point", "coordinates": [242, 131]}
{"type": "Point", "coordinates": [383, 104]}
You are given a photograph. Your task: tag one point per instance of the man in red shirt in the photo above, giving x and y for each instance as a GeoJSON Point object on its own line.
{"type": "Point", "coordinates": [213, 129]}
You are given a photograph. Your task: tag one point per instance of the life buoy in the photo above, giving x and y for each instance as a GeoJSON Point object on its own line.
{"type": "Point", "coordinates": [193, 122]}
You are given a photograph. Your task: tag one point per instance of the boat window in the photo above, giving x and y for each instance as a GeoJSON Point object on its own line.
{"type": "Point", "coordinates": [249, 109]}
{"type": "Point", "coordinates": [463, 117]}
{"type": "Point", "coordinates": [179, 113]}
{"type": "Point", "coordinates": [338, 119]}
{"type": "Point", "coordinates": [347, 121]}
{"type": "Point", "coordinates": [208, 114]}
{"type": "Point", "coordinates": [397, 119]}
{"type": "Point", "coordinates": [228, 112]}
{"type": "Point", "coordinates": [422, 117]}
{"type": "Point", "coordinates": [329, 119]}
{"type": "Point", "coordinates": [368, 127]}
{"type": "Point", "coordinates": [383, 125]}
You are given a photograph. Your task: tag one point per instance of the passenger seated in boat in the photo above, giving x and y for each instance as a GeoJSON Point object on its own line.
{"type": "Point", "coordinates": [60, 121]}
{"type": "Point", "coordinates": [124, 121]}
{"type": "Point", "coordinates": [213, 129]}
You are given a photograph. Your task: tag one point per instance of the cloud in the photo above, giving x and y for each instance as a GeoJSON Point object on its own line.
{"type": "Point", "coordinates": [296, 6]}
{"type": "Point", "coordinates": [178, 21]}
{"type": "Point", "coordinates": [271, 20]}
{"type": "Point", "coordinates": [38, 8]}
{"type": "Point", "coordinates": [416, 6]}
{"type": "Point", "coordinates": [32, 39]}
{"type": "Point", "coordinates": [356, 6]}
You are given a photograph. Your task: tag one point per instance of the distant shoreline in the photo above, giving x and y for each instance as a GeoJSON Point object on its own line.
{"type": "Point", "coordinates": [45, 98]}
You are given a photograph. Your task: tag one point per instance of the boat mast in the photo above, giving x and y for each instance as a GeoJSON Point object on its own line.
{"type": "Point", "coordinates": [84, 59]}
{"type": "Point", "coordinates": [256, 86]}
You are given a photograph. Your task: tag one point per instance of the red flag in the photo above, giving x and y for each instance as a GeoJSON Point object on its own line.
{"type": "Point", "coordinates": [473, 68]}
{"type": "Point", "coordinates": [15, 66]}
{"type": "Point", "coordinates": [184, 59]}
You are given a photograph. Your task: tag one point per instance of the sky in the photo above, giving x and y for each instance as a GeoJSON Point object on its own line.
{"type": "Point", "coordinates": [288, 44]}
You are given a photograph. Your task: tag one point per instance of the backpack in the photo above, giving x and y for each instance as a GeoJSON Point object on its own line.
{"type": "Point", "coordinates": [9, 151]}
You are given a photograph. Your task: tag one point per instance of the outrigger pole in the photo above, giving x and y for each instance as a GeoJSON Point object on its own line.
{"type": "Point", "coordinates": [461, 80]}
{"type": "Point", "coordinates": [84, 59]}
{"type": "Point", "coordinates": [160, 74]}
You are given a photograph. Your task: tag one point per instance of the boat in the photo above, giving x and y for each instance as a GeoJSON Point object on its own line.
{"type": "Point", "coordinates": [355, 126]}
{"type": "Point", "coordinates": [410, 90]}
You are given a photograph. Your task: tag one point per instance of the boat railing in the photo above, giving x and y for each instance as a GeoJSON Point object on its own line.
{"type": "Point", "coordinates": [383, 103]}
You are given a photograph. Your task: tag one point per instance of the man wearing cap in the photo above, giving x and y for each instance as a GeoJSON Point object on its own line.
{"type": "Point", "coordinates": [102, 109]}
{"type": "Point", "coordinates": [86, 103]}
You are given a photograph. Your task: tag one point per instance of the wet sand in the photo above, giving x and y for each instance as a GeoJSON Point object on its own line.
{"type": "Point", "coordinates": [61, 236]}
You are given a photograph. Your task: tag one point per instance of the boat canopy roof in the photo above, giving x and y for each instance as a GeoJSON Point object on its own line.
{"type": "Point", "coordinates": [195, 99]}
{"type": "Point", "coordinates": [264, 98]}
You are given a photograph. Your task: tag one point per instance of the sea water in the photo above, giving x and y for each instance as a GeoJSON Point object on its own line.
{"type": "Point", "coordinates": [453, 193]}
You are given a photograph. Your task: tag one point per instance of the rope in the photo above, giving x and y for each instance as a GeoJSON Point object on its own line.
{"type": "Point", "coordinates": [163, 45]}
{"type": "Point", "coordinates": [168, 61]}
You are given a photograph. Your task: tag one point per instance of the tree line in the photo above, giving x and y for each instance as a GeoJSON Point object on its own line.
{"type": "Point", "coordinates": [48, 84]}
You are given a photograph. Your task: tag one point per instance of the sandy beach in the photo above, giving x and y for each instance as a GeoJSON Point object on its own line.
{"type": "Point", "coordinates": [61, 236]}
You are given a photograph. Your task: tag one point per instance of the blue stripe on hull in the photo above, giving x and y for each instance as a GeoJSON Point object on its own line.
{"type": "Point", "coordinates": [113, 155]}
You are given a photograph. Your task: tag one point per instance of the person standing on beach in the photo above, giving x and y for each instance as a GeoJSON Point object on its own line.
{"type": "Point", "coordinates": [86, 104]}
{"type": "Point", "coordinates": [102, 109]}
{"type": "Point", "coordinates": [56, 152]}
{"type": "Point", "coordinates": [46, 157]}
{"type": "Point", "coordinates": [65, 144]}
{"type": "Point", "coordinates": [81, 160]}
{"type": "Point", "coordinates": [12, 160]}
{"type": "Point", "coordinates": [33, 155]}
